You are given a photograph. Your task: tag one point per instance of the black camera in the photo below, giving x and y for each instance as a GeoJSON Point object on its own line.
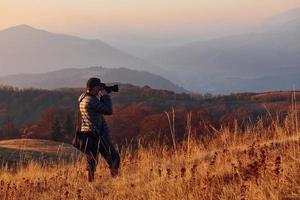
{"type": "Point", "coordinates": [109, 89]}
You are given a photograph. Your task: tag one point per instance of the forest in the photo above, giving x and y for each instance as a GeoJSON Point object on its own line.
{"type": "Point", "coordinates": [139, 113]}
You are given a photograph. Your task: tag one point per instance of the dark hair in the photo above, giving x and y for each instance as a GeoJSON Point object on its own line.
{"type": "Point", "coordinates": [92, 82]}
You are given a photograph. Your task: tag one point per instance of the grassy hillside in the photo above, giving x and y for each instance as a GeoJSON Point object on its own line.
{"type": "Point", "coordinates": [231, 163]}
{"type": "Point", "coordinates": [24, 151]}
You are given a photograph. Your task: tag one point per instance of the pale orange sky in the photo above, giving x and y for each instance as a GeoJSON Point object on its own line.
{"type": "Point", "coordinates": [116, 17]}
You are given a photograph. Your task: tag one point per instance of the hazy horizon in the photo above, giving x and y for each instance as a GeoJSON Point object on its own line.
{"type": "Point", "coordinates": [160, 38]}
{"type": "Point", "coordinates": [134, 24]}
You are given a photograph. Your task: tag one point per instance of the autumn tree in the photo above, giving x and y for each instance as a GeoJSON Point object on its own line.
{"type": "Point", "coordinates": [68, 126]}
{"type": "Point", "coordinates": [8, 129]}
{"type": "Point", "coordinates": [56, 133]}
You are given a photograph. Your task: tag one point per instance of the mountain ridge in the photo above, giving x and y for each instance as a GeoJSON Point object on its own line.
{"type": "Point", "coordinates": [264, 51]}
{"type": "Point", "coordinates": [39, 51]}
{"type": "Point", "coordinates": [76, 77]}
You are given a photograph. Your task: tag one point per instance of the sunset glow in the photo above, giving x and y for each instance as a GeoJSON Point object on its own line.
{"type": "Point", "coordinates": [124, 16]}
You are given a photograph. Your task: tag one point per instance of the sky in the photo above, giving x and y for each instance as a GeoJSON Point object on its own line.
{"type": "Point", "coordinates": [146, 21]}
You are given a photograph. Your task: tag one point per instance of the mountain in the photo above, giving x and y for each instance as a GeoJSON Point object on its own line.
{"type": "Point", "coordinates": [271, 50]}
{"type": "Point", "coordinates": [77, 77]}
{"type": "Point", "coordinates": [260, 84]}
{"type": "Point", "coordinates": [284, 17]}
{"type": "Point", "coordinates": [25, 49]}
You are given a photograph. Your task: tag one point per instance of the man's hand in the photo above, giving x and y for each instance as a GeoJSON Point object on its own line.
{"type": "Point", "coordinates": [103, 92]}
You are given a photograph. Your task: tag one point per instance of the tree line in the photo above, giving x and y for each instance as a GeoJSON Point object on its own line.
{"type": "Point", "coordinates": [137, 112]}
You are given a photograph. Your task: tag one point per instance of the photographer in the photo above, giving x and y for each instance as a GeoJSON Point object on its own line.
{"type": "Point", "coordinates": [94, 131]}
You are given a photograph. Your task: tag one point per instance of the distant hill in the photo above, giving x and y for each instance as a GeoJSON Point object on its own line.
{"type": "Point", "coordinates": [77, 77]}
{"type": "Point", "coordinates": [285, 81]}
{"type": "Point", "coordinates": [265, 59]}
{"type": "Point", "coordinates": [25, 49]}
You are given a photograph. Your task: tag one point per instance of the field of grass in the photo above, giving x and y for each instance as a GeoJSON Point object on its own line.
{"type": "Point", "coordinates": [258, 162]}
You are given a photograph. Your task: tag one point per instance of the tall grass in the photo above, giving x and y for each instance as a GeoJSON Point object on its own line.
{"type": "Point", "coordinates": [256, 162]}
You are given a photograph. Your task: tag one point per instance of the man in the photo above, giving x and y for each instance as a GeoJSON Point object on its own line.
{"type": "Point", "coordinates": [94, 129]}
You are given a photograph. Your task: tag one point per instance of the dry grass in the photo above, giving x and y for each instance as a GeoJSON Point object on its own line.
{"type": "Point", "coordinates": [256, 163]}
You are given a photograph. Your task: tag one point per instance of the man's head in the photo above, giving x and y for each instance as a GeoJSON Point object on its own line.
{"type": "Point", "coordinates": [94, 85]}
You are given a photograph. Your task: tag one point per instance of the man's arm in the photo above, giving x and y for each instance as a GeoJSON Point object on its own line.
{"type": "Point", "coordinates": [104, 105]}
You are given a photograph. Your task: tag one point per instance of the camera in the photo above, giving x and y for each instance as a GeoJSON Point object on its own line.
{"type": "Point", "coordinates": [109, 89]}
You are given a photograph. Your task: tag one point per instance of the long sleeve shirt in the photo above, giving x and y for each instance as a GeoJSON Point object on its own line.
{"type": "Point", "coordinates": [92, 110]}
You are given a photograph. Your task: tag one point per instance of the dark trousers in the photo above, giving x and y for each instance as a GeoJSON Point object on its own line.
{"type": "Point", "coordinates": [93, 145]}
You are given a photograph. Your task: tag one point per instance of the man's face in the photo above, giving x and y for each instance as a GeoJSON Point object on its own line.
{"type": "Point", "coordinates": [96, 89]}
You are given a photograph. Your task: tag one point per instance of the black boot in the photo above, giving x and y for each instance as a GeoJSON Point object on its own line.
{"type": "Point", "coordinates": [90, 175]}
{"type": "Point", "coordinates": [114, 172]}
